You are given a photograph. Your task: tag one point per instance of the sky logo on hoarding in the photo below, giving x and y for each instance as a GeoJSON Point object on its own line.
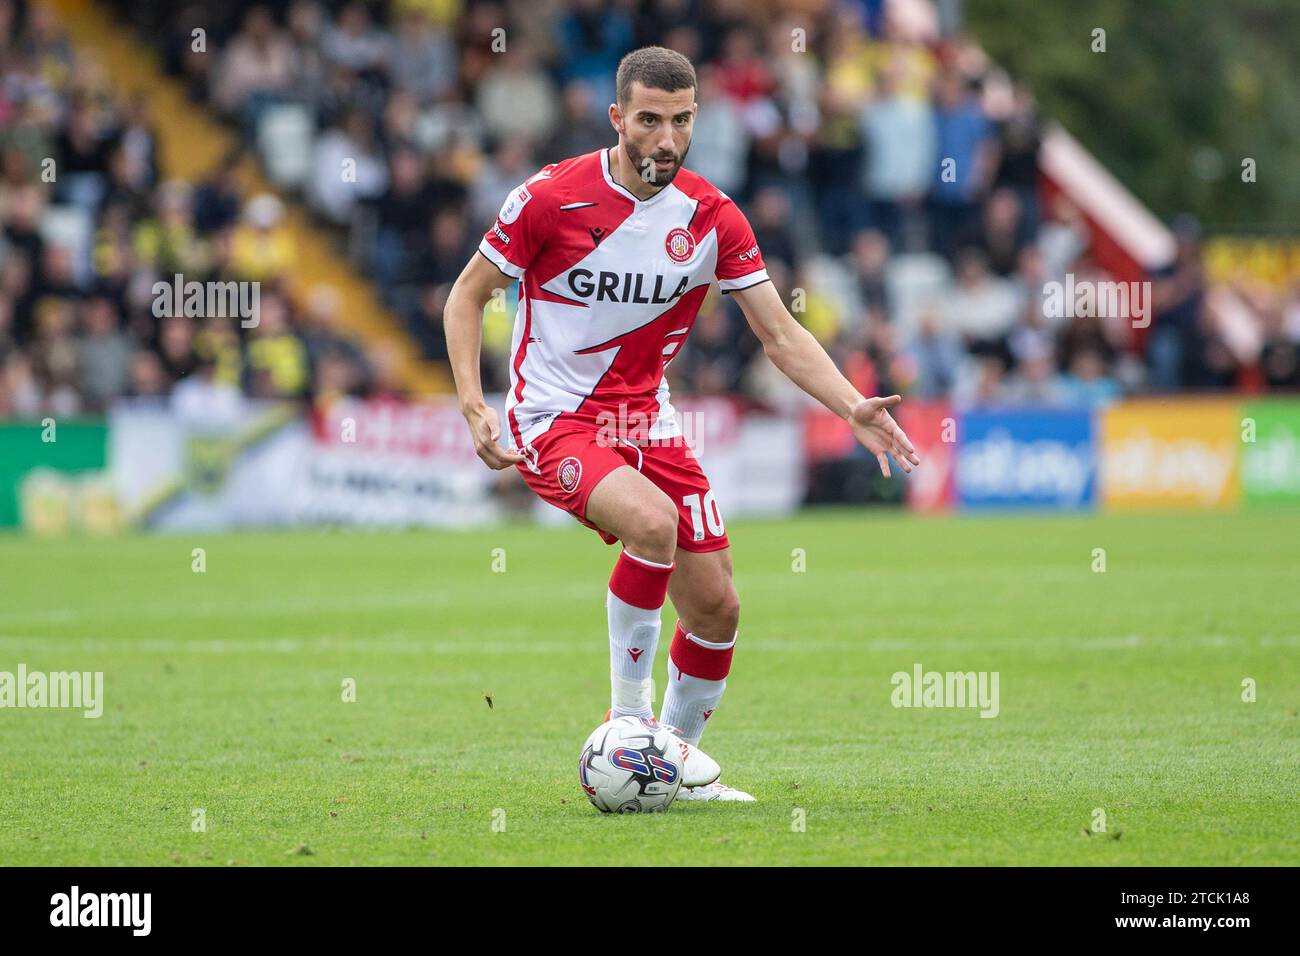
{"type": "Point", "coordinates": [1157, 465]}
{"type": "Point", "coordinates": [1271, 463]}
{"type": "Point", "coordinates": [1276, 466]}
{"type": "Point", "coordinates": [1026, 459]}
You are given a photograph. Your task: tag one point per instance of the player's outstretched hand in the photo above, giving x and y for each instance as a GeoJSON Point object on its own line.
{"type": "Point", "coordinates": [876, 430]}
{"type": "Point", "coordinates": [485, 426]}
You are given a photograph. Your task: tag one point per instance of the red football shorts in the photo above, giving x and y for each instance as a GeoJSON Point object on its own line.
{"type": "Point", "coordinates": [569, 460]}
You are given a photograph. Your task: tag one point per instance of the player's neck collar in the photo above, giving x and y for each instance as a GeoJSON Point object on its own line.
{"type": "Point", "coordinates": [614, 184]}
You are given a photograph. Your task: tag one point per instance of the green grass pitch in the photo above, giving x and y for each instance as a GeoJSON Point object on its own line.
{"type": "Point", "coordinates": [1120, 691]}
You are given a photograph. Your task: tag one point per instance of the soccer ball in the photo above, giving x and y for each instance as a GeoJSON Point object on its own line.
{"type": "Point", "coordinates": [630, 765]}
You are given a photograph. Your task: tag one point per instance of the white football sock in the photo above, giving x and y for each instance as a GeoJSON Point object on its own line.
{"type": "Point", "coordinates": [690, 701]}
{"type": "Point", "coordinates": [633, 640]}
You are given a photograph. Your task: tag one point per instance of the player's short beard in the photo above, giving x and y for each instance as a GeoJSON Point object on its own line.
{"type": "Point", "coordinates": [638, 160]}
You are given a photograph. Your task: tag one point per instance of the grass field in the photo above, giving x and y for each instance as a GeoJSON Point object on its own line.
{"type": "Point", "coordinates": [1119, 690]}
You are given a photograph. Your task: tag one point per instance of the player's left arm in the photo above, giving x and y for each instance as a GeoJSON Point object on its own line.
{"type": "Point", "coordinates": [797, 353]}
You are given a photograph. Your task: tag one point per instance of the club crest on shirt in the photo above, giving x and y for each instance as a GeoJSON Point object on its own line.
{"type": "Point", "coordinates": [569, 474]}
{"type": "Point", "coordinates": [680, 245]}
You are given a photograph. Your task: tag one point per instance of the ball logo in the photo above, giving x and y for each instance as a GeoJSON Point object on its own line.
{"type": "Point", "coordinates": [662, 769]}
{"type": "Point", "coordinates": [569, 474]}
{"type": "Point", "coordinates": [625, 758]}
{"type": "Point", "coordinates": [644, 764]}
{"type": "Point", "coordinates": [680, 245]}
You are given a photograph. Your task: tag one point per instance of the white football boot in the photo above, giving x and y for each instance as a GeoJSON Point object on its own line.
{"type": "Point", "coordinates": [700, 776]}
{"type": "Point", "coordinates": [700, 773]}
{"type": "Point", "coordinates": [714, 791]}
{"type": "Point", "coordinates": [698, 768]}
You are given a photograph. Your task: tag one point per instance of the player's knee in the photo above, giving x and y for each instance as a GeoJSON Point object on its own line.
{"type": "Point", "coordinates": [652, 532]}
{"type": "Point", "coordinates": [728, 612]}
{"type": "Point", "coordinates": [720, 615]}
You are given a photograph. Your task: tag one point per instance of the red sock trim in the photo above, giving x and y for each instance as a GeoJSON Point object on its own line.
{"type": "Point", "coordinates": [699, 660]}
{"type": "Point", "coordinates": [640, 584]}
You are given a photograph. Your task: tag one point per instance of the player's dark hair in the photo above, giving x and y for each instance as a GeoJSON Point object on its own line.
{"type": "Point", "coordinates": [657, 68]}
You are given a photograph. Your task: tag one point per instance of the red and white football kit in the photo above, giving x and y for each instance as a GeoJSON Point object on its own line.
{"type": "Point", "coordinates": [610, 286]}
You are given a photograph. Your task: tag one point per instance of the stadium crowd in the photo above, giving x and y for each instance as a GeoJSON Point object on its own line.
{"type": "Point", "coordinates": [888, 167]}
{"type": "Point", "coordinates": [89, 227]}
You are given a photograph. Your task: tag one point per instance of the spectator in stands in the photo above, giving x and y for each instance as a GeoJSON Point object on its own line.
{"type": "Point", "coordinates": [16, 288]}
{"type": "Point", "coordinates": [349, 167]}
{"type": "Point", "coordinates": [980, 382]}
{"type": "Point", "coordinates": [594, 35]}
{"type": "Point", "coordinates": [426, 325]}
{"type": "Point", "coordinates": [58, 274]}
{"type": "Point", "coordinates": [983, 307]}
{"type": "Point", "coordinates": [54, 354]}
{"type": "Point", "coordinates": [748, 80]}
{"type": "Point", "coordinates": [448, 246]}
{"type": "Point", "coordinates": [1178, 300]}
{"type": "Point", "coordinates": [262, 248]}
{"type": "Point", "coordinates": [1280, 358]}
{"type": "Point", "coordinates": [1003, 231]}
{"type": "Point", "coordinates": [136, 146]}
{"type": "Point", "coordinates": [257, 68]}
{"type": "Point", "coordinates": [834, 168]}
{"type": "Point", "coordinates": [7, 343]}
{"type": "Point", "coordinates": [278, 365]}
{"type": "Point", "coordinates": [403, 212]}
{"type": "Point", "coordinates": [169, 241]}
{"type": "Point", "coordinates": [23, 211]}
{"type": "Point", "coordinates": [21, 395]}
{"type": "Point", "coordinates": [355, 44]}
{"type": "Point", "coordinates": [936, 354]}
{"type": "Point", "coordinates": [216, 199]}
{"type": "Point", "coordinates": [870, 260]}
{"type": "Point", "coordinates": [772, 228]}
{"type": "Point", "coordinates": [710, 362]}
{"type": "Point", "coordinates": [328, 345]}
{"type": "Point", "coordinates": [206, 399]}
{"type": "Point", "coordinates": [899, 133]}
{"type": "Point", "coordinates": [517, 98]}
{"type": "Point", "coordinates": [582, 128]}
{"type": "Point", "coordinates": [1087, 382]}
{"type": "Point", "coordinates": [1020, 137]}
{"type": "Point", "coordinates": [103, 354]}
{"type": "Point", "coordinates": [148, 378]}
{"type": "Point", "coordinates": [1035, 380]}
{"type": "Point", "coordinates": [305, 24]}
{"type": "Point", "coordinates": [82, 149]}
{"type": "Point", "coordinates": [720, 142]}
{"type": "Point", "coordinates": [967, 154]}
{"type": "Point", "coordinates": [423, 60]}
{"type": "Point", "coordinates": [176, 353]}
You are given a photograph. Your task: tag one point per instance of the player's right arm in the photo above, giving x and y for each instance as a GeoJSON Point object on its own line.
{"type": "Point", "coordinates": [463, 323]}
{"type": "Point", "coordinates": [507, 249]}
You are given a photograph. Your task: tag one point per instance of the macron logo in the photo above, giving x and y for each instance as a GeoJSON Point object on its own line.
{"type": "Point", "coordinates": [102, 909]}
{"type": "Point", "coordinates": [635, 653]}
